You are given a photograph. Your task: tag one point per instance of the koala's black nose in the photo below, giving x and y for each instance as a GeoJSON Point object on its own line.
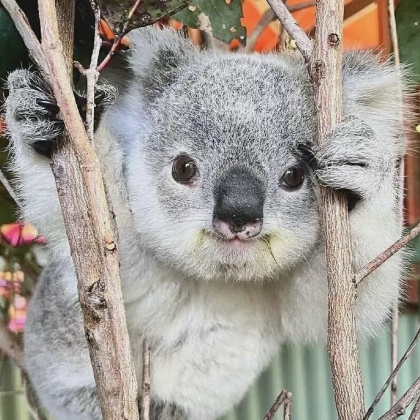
{"type": "Point", "coordinates": [239, 204]}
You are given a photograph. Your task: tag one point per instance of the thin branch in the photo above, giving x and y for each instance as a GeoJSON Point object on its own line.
{"type": "Point", "coordinates": [388, 253]}
{"type": "Point", "coordinates": [415, 414]}
{"type": "Point", "coordinates": [268, 17]}
{"type": "Point", "coordinates": [145, 388]}
{"type": "Point", "coordinates": [303, 42]}
{"type": "Point", "coordinates": [394, 354]}
{"type": "Point", "coordinates": [276, 405]}
{"type": "Point", "coordinates": [92, 75]}
{"type": "Point", "coordinates": [392, 376]}
{"type": "Point", "coordinates": [400, 407]}
{"type": "Point", "coordinates": [118, 37]}
{"type": "Point", "coordinates": [393, 30]}
{"type": "Point", "coordinates": [11, 346]}
{"type": "Point", "coordinates": [287, 414]}
{"type": "Point", "coordinates": [28, 35]}
{"type": "Point", "coordinates": [9, 189]}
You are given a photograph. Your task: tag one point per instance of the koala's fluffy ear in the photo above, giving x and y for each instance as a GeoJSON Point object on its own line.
{"type": "Point", "coordinates": [371, 91]}
{"type": "Point", "coordinates": [157, 56]}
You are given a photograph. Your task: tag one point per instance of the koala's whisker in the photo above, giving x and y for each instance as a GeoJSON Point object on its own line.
{"type": "Point", "coordinates": [266, 240]}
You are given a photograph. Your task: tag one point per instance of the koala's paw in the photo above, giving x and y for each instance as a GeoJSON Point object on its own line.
{"type": "Point", "coordinates": [32, 112]}
{"type": "Point", "coordinates": [354, 159]}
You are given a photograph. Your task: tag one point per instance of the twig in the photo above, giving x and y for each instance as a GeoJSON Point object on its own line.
{"type": "Point", "coordinates": [11, 346]}
{"type": "Point", "coordinates": [276, 405]}
{"type": "Point", "coordinates": [287, 414]}
{"type": "Point", "coordinates": [392, 376]}
{"type": "Point", "coordinates": [29, 38]}
{"type": "Point", "coordinates": [9, 189]}
{"type": "Point", "coordinates": [118, 37]}
{"type": "Point", "coordinates": [145, 388]}
{"type": "Point", "coordinates": [388, 253]}
{"type": "Point", "coordinates": [393, 30]}
{"type": "Point", "coordinates": [394, 354]}
{"type": "Point", "coordinates": [268, 17]}
{"type": "Point", "coordinates": [92, 237]}
{"type": "Point", "coordinates": [415, 414]}
{"type": "Point", "coordinates": [400, 407]}
{"type": "Point", "coordinates": [292, 27]}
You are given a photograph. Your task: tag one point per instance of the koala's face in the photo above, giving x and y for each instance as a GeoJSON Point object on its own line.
{"type": "Point", "coordinates": [218, 186]}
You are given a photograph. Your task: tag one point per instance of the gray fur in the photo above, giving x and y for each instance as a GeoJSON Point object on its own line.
{"type": "Point", "coordinates": [214, 315]}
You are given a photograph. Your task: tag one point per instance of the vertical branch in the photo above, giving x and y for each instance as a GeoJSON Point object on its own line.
{"type": "Point", "coordinates": [326, 74]}
{"type": "Point", "coordinates": [401, 171]}
{"type": "Point", "coordinates": [145, 391]}
{"type": "Point", "coordinates": [92, 234]}
{"type": "Point", "coordinates": [325, 69]}
{"type": "Point", "coordinates": [394, 354]}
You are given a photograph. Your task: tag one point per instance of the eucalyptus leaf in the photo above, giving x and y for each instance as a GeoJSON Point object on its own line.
{"type": "Point", "coordinates": [408, 26]}
{"type": "Point", "coordinates": [221, 18]}
{"type": "Point", "coordinates": [148, 12]}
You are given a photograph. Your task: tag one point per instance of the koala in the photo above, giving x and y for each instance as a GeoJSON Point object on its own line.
{"type": "Point", "coordinates": [212, 166]}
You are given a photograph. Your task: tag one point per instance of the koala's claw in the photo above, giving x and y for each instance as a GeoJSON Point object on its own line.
{"type": "Point", "coordinates": [49, 105]}
{"type": "Point", "coordinates": [31, 110]}
{"type": "Point", "coordinates": [352, 158]}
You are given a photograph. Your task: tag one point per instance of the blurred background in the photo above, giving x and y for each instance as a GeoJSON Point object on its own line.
{"type": "Point", "coordinates": [303, 370]}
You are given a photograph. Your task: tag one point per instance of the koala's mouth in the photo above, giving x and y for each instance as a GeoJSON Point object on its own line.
{"type": "Point", "coordinates": [235, 242]}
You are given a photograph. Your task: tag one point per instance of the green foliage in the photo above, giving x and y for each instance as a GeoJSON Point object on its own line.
{"type": "Point", "coordinates": [12, 52]}
{"type": "Point", "coordinates": [220, 17]}
{"type": "Point", "coordinates": [408, 27]}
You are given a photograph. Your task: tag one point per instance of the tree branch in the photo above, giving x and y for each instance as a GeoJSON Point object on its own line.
{"type": "Point", "coordinates": [392, 376]}
{"type": "Point", "coordinates": [92, 237]}
{"type": "Point", "coordinates": [400, 407]}
{"type": "Point", "coordinates": [325, 70]}
{"type": "Point", "coordinates": [415, 414]}
{"type": "Point", "coordinates": [326, 74]}
{"type": "Point", "coordinates": [303, 42]}
{"type": "Point", "coordinates": [284, 397]}
{"type": "Point", "coordinates": [388, 253]}
{"type": "Point", "coordinates": [9, 189]}
{"type": "Point", "coordinates": [145, 389]}
{"type": "Point", "coordinates": [268, 17]}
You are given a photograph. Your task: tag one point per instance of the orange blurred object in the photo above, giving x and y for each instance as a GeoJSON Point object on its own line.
{"type": "Point", "coordinates": [365, 23]}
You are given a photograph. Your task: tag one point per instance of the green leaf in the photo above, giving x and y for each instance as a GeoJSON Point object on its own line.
{"type": "Point", "coordinates": [12, 51]}
{"type": "Point", "coordinates": [149, 11]}
{"type": "Point", "coordinates": [221, 18]}
{"type": "Point", "coordinates": [408, 27]}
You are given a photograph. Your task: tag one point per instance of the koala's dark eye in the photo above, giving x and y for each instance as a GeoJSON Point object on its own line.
{"type": "Point", "coordinates": [293, 178]}
{"type": "Point", "coordinates": [184, 169]}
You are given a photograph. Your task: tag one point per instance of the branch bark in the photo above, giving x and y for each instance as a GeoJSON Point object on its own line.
{"type": "Point", "coordinates": [303, 42]}
{"type": "Point", "coordinates": [325, 70]}
{"type": "Point", "coordinates": [326, 73]}
{"type": "Point", "coordinates": [268, 17]}
{"type": "Point", "coordinates": [388, 253]}
{"type": "Point", "coordinates": [281, 398]}
{"type": "Point", "coordinates": [91, 231]}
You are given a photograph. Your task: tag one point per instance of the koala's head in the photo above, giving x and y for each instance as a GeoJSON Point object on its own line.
{"type": "Point", "coordinates": [218, 184]}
